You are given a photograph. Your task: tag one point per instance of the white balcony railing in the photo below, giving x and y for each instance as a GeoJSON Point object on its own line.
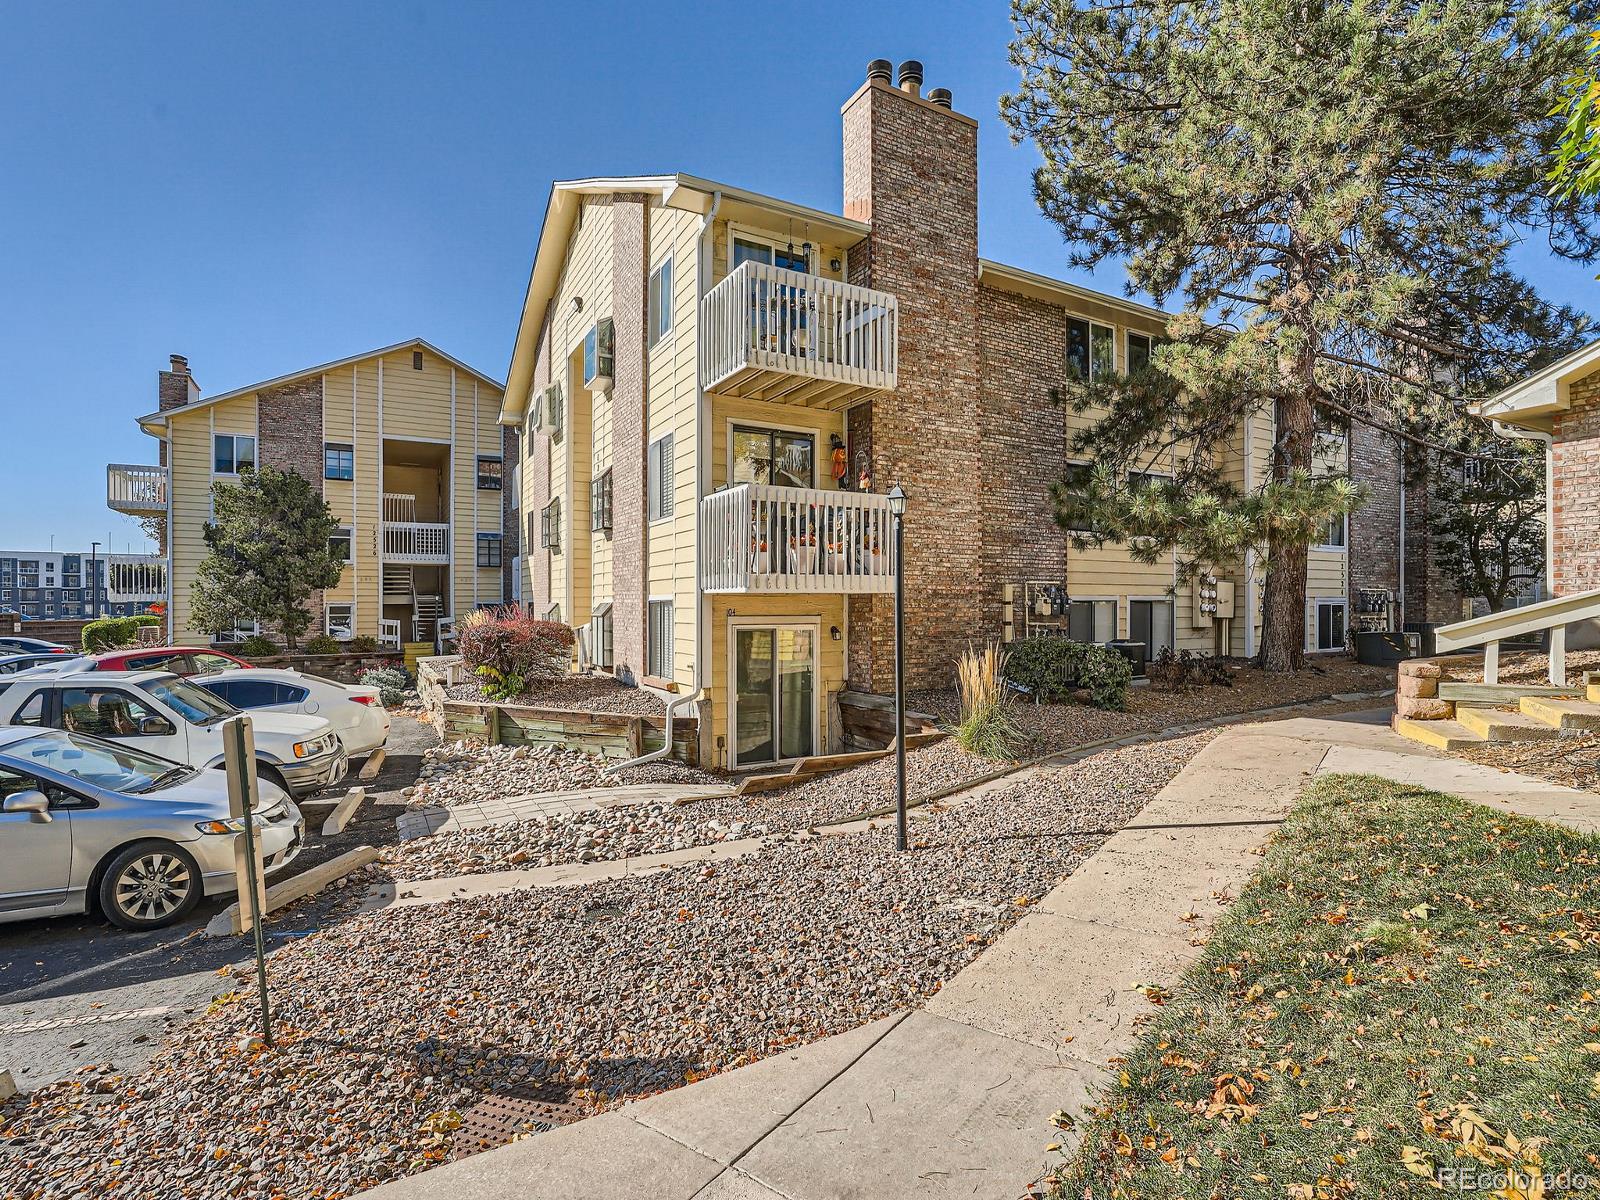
{"type": "Point", "coordinates": [771, 333]}
{"type": "Point", "coordinates": [416, 542]}
{"type": "Point", "coordinates": [136, 490]}
{"type": "Point", "coordinates": [135, 579]}
{"type": "Point", "coordinates": [756, 537]}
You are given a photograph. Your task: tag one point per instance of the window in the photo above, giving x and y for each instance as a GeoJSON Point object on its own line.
{"type": "Point", "coordinates": [755, 249]}
{"type": "Point", "coordinates": [553, 613]}
{"type": "Point", "coordinates": [1330, 625]}
{"type": "Point", "coordinates": [600, 502]}
{"type": "Point", "coordinates": [773, 456]}
{"type": "Point", "coordinates": [659, 481]}
{"type": "Point", "coordinates": [105, 712]}
{"type": "Point", "coordinates": [660, 302]}
{"type": "Point", "coordinates": [489, 550]}
{"type": "Point", "coordinates": [31, 712]}
{"type": "Point", "coordinates": [416, 360]}
{"type": "Point", "coordinates": [339, 543]}
{"type": "Point", "coordinates": [338, 460]}
{"type": "Point", "coordinates": [659, 654]}
{"type": "Point", "coordinates": [1139, 480]}
{"type": "Point", "coordinates": [491, 469]}
{"type": "Point", "coordinates": [1150, 622]}
{"type": "Point", "coordinates": [201, 663]}
{"type": "Point", "coordinates": [599, 354]}
{"type": "Point", "coordinates": [1092, 621]}
{"type": "Point", "coordinates": [232, 453]}
{"type": "Point", "coordinates": [256, 693]}
{"type": "Point", "coordinates": [600, 635]}
{"type": "Point", "coordinates": [340, 621]}
{"type": "Point", "coordinates": [534, 526]}
{"type": "Point", "coordinates": [1139, 346]}
{"type": "Point", "coordinates": [555, 412]}
{"type": "Point", "coordinates": [516, 485]}
{"type": "Point", "coordinates": [550, 525]}
{"type": "Point", "coordinates": [1332, 536]}
{"type": "Point", "coordinates": [1090, 349]}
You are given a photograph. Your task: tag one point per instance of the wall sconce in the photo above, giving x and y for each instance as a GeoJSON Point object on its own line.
{"type": "Point", "coordinates": [834, 264]}
{"type": "Point", "coordinates": [834, 633]}
{"type": "Point", "coordinates": [577, 304]}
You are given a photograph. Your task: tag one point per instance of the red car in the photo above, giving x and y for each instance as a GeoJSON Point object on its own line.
{"type": "Point", "coordinates": [180, 660]}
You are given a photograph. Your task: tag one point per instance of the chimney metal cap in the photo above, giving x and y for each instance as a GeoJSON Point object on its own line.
{"type": "Point", "coordinates": [911, 76]}
{"type": "Point", "coordinates": [940, 96]}
{"type": "Point", "coordinates": [880, 68]}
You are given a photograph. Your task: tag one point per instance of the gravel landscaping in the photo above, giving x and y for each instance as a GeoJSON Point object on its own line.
{"type": "Point", "coordinates": [392, 1023]}
{"type": "Point", "coordinates": [467, 773]}
{"type": "Point", "coordinates": [580, 693]}
{"type": "Point", "coordinates": [1525, 666]}
{"type": "Point", "coordinates": [1572, 761]}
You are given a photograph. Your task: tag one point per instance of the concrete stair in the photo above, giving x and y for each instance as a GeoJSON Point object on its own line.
{"type": "Point", "coordinates": [1497, 725]}
{"type": "Point", "coordinates": [1567, 716]}
{"type": "Point", "coordinates": [1539, 716]}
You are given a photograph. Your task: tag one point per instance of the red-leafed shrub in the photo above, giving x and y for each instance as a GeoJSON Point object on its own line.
{"type": "Point", "coordinates": [512, 652]}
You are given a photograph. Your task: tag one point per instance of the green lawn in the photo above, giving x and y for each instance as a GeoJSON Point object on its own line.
{"type": "Point", "coordinates": [1409, 983]}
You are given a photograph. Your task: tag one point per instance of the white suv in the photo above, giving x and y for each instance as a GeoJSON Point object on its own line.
{"type": "Point", "coordinates": [174, 718]}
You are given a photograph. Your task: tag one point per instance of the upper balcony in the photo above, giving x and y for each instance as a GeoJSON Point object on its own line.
{"type": "Point", "coordinates": [779, 335]}
{"type": "Point", "coordinates": [757, 537]}
{"type": "Point", "coordinates": [408, 540]}
{"type": "Point", "coordinates": [135, 490]}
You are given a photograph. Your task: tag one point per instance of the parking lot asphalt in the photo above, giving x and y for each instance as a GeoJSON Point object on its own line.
{"type": "Point", "coordinates": [78, 990]}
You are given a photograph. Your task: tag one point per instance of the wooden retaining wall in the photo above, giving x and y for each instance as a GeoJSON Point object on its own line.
{"type": "Point", "coordinates": [607, 735]}
{"type": "Point", "coordinates": [868, 720]}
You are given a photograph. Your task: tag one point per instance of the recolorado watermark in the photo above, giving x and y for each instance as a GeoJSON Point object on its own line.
{"type": "Point", "coordinates": [1485, 1179]}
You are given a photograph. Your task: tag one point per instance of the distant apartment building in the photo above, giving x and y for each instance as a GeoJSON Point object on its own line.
{"type": "Point", "coordinates": [402, 442]}
{"type": "Point", "coordinates": [49, 585]}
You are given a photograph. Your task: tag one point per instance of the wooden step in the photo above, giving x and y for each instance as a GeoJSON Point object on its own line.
{"type": "Point", "coordinates": [1568, 716]}
{"type": "Point", "coordinates": [1441, 735]}
{"type": "Point", "coordinates": [1491, 694]}
{"type": "Point", "coordinates": [1498, 725]}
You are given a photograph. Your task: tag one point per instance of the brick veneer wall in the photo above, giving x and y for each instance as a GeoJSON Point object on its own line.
{"type": "Point", "coordinates": [510, 512]}
{"type": "Point", "coordinates": [630, 260]}
{"type": "Point", "coordinates": [1374, 548]}
{"type": "Point", "coordinates": [1575, 491]}
{"type": "Point", "coordinates": [1024, 444]}
{"type": "Point", "coordinates": [910, 168]}
{"type": "Point", "coordinates": [289, 426]}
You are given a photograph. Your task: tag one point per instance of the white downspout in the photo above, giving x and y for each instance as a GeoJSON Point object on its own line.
{"type": "Point", "coordinates": [673, 703]}
{"type": "Point", "coordinates": [702, 446]}
{"type": "Point", "coordinates": [1533, 435]}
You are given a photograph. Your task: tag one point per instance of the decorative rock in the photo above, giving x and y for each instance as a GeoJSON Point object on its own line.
{"type": "Point", "coordinates": [1422, 708]}
{"type": "Point", "coordinates": [1423, 686]}
{"type": "Point", "coordinates": [1421, 668]}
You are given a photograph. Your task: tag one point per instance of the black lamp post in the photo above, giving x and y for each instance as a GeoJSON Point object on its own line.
{"type": "Point", "coordinates": [897, 508]}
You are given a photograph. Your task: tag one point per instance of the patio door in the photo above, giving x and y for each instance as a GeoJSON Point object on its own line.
{"type": "Point", "coordinates": [774, 694]}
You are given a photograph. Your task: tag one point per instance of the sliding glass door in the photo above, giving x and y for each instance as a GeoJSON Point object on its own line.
{"type": "Point", "coordinates": [774, 694]}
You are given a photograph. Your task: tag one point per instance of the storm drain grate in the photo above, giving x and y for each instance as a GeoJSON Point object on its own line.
{"type": "Point", "coordinates": [502, 1116]}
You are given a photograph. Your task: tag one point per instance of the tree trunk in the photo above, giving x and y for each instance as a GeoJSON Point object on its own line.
{"type": "Point", "coordinates": [1283, 632]}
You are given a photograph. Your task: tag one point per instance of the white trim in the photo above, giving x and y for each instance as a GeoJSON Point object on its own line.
{"type": "Point", "coordinates": [1164, 598]}
{"type": "Point", "coordinates": [455, 482]}
{"type": "Point", "coordinates": [1340, 549]}
{"type": "Point", "coordinates": [736, 623]}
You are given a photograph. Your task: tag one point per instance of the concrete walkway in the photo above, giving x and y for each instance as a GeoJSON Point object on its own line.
{"type": "Point", "coordinates": [955, 1100]}
{"type": "Point", "coordinates": [436, 818]}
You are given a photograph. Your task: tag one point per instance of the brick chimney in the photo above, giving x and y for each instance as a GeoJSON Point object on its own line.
{"type": "Point", "coordinates": [176, 387]}
{"type": "Point", "coordinates": [911, 171]}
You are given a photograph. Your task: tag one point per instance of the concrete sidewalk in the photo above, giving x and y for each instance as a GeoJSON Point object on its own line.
{"type": "Point", "coordinates": [955, 1099]}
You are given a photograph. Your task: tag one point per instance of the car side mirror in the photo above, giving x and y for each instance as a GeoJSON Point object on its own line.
{"type": "Point", "coordinates": [33, 802]}
{"type": "Point", "coordinates": [156, 727]}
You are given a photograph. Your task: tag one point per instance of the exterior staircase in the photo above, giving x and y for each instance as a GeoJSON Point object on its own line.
{"type": "Point", "coordinates": [425, 612]}
{"type": "Point", "coordinates": [1538, 716]}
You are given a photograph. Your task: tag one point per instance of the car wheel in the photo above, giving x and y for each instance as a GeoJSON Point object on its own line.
{"type": "Point", "coordinates": [266, 773]}
{"type": "Point", "coordinates": [148, 885]}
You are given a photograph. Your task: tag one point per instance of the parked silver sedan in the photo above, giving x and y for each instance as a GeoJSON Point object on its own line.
{"type": "Point", "coordinates": [89, 824]}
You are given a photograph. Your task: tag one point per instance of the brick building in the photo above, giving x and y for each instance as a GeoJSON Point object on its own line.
{"type": "Point", "coordinates": [402, 442]}
{"type": "Point", "coordinates": [713, 390]}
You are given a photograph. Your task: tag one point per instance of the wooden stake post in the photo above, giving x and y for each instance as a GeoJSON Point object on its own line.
{"type": "Point", "coordinates": [239, 760]}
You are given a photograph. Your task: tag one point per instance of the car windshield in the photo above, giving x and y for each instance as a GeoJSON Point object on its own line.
{"type": "Point", "coordinates": [194, 703]}
{"type": "Point", "coordinates": [104, 764]}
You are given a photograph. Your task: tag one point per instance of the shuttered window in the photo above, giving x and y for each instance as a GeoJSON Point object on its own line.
{"type": "Point", "coordinates": [550, 525]}
{"type": "Point", "coordinates": [660, 478]}
{"type": "Point", "coordinates": [600, 502]}
{"type": "Point", "coordinates": [659, 656]}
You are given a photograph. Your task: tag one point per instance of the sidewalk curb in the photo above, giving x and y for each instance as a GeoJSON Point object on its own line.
{"type": "Point", "coordinates": [306, 883]}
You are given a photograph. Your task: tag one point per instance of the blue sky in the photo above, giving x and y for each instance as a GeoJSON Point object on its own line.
{"type": "Point", "coordinates": [264, 187]}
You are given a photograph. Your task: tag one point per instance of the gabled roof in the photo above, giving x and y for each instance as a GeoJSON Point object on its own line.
{"type": "Point", "coordinates": [688, 192]}
{"type": "Point", "coordinates": [1534, 400]}
{"type": "Point", "coordinates": [159, 418]}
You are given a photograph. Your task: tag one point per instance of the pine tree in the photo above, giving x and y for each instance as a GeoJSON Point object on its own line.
{"type": "Point", "coordinates": [1331, 187]}
{"type": "Point", "coordinates": [267, 553]}
{"type": "Point", "coordinates": [1577, 167]}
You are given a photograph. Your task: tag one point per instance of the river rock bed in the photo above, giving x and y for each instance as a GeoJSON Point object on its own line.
{"type": "Point", "coordinates": [392, 1023]}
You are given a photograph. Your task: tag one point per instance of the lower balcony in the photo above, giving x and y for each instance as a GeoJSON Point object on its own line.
{"type": "Point", "coordinates": [136, 490]}
{"type": "Point", "coordinates": [416, 542]}
{"type": "Point", "coordinates": [757, 537]}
